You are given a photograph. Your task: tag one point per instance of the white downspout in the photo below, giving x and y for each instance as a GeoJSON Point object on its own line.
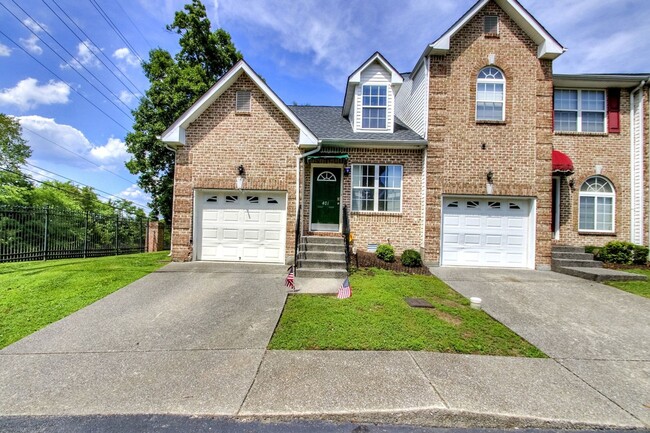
{"type": "Point", "coordinates": [633, 207]}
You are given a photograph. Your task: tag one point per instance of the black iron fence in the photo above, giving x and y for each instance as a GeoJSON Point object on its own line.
{"type": "Point", "coordinates": [28, 233]}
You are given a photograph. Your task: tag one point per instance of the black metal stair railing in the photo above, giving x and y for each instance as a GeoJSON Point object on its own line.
{"type": "Point", "coordinates": [346, 236]}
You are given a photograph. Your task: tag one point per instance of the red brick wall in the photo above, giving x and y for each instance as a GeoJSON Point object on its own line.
{"type": "Point", "coordinates": [402, 230]}
{"type": "Point", "coordinates": [264, 142]}
{"type": "Point", "coordinates": [612, 152]}
{"type": "Point", "coordinates": [517, 151]}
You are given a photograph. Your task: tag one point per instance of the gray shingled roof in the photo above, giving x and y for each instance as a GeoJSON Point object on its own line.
{"type": "Point", "coordinates": [328, 123]}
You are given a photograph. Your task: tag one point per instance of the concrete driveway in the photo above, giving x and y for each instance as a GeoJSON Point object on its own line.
{"type": "Point", "coordinates": [188, 338]}
{"type": "Point", "coordinates": [598, 333]}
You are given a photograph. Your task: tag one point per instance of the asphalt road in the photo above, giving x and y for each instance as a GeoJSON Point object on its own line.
{"type": "Point", "coordinates": [189, 424]}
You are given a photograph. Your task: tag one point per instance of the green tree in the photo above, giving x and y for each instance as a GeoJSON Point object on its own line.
{"type": "Point", "coordinates": [175, 83]}
{"type": "Point", "coordinates": [14, 151]}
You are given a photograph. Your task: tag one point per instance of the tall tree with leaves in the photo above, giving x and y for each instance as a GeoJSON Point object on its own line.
{"type": "Point", "coordinates": [176, 82]}
{"type": "Point", "coordinates": [14, 151]}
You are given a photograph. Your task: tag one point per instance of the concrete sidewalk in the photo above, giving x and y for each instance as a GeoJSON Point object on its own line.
{"type": "Point", "coordinates": [191, 339]}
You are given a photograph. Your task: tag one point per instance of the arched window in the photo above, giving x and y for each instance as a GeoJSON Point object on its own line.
{"type": "Point", "coordinates": [596, 205]}
{"type": "Point", "coordinates": [490, 94]}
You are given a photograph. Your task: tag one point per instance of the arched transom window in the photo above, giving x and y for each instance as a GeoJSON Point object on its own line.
{"type": "Point", "coordinates": [490, 94]}
{"type": "Point", "coordinates": [597, 205]}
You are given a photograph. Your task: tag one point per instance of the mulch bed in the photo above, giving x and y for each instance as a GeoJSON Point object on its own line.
{"type": "Point", "coordinates": [617, 266]}
{"type": "Point", "coordinates": [364, 259]}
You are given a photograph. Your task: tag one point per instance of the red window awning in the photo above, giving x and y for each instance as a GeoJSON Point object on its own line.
{"type": "Point", "coordinates": [562, 164]}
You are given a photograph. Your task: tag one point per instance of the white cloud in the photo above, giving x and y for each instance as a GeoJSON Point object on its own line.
{"type": "Point", "coordinates": [5, 51]}
{"type": "Point", "coordinates": [126, 96]}
{"type": "Point", "coordinates": [42, 132]}
{"type": "Point", "coordinates": [331, 39]}
{"type": "Point", "coordinates": [28, 94]}
{"type": "Point", "coordinates": [135, 194]}
{"type": "Point", "coordinates": [34, 26]}
{"type": "Point", "coordinates": [113, 151]}
{"type": "Point", "coordinates": [31, 44]}
{"type": "Point", "coordinates": [85, 56]}
{"type": "Point", "coordinates": [126, 56]}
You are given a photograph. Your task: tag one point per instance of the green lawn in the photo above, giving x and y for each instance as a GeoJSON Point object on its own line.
{"type": "Point", "coordinates": [35, 294]}
{"type": "Point", "coordinates": [376, 317]}
{"type": "Point", "coordinates": [641, 288]}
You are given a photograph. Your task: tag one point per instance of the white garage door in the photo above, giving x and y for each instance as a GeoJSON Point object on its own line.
{"type": "Point", "coordinates": [241, 226]}
{"type": "Point", "coordinates": [491, 232]}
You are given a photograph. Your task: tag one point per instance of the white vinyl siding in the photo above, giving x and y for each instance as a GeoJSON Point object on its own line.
{"type": "Point", "coordinates": [579, 110]}
{"type": "Point", "coordinates": [637, 137]}
{"type": "Point", "coordinates": [374, 74]}
{"type": "Point", "coordinates": [411, 101]}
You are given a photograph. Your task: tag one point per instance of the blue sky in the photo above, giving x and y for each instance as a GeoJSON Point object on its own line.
{"type": "Point", "coordinates": [304, 49]}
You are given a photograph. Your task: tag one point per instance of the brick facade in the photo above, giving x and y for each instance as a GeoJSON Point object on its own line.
{"type": "Point", "coordinates": [264, 141]}
{"type": "Point", "coordinates": [612, 152]}
{"type": "Point", "coordinates": [517, 150]}
{"type": "Point", "coordinates": [460, 152]}
{"type": "Point", "coordinates": [403, 230]}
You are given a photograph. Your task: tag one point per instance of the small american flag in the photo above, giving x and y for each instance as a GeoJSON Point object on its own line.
{"type": "Point", "coordinates": [345, 291]}
{"type": "Point", "coordinates": [289, 280]}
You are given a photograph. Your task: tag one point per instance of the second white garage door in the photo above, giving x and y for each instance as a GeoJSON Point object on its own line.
{"type": "Point", "coordinates": [483, 232]}
{"type": "Point", "coordinates": [241, 226]}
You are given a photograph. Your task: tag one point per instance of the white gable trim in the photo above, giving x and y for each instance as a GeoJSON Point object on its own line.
{"type": "Point", "coordinates": [396, 79]}
{"type": "Point", "coordinates": [547, 47]}
{"type": "Point", "coordinates": [175, 135]}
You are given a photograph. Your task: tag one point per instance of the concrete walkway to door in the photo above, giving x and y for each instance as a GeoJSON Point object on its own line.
{"type": "Point", "coordinates": [597, 332]}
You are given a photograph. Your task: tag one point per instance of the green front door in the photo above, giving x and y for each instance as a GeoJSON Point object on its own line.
{"type": "Point", "coordinates": [326, 199]}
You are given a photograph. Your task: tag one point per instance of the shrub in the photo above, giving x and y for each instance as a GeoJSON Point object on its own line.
{"type": "Point", "coordinates": [411, 258]}
{"type": "Point", "coordinates": [591, 249]}
{"type": "Point", "coordinates": [625, 253]}
{"type": "Point", "coordinates": [386, 253]}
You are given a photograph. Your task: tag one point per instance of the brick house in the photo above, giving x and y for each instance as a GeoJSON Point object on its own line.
{"type": "Point", "coordinates": [480, 156]}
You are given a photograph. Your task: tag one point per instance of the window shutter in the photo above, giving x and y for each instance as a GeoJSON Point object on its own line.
{"type": "Point", "coordinates": [243, 102]}
{"type": "Point", "coordinates": [614, 110]}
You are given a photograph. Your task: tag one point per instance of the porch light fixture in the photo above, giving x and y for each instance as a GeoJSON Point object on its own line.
{"type": "Point", "coordinates": [490, 177]}
{"type": "Point", "coordinates": [346, 171]}
{"type": "Point", "coordinates": [572, 184]}
{"type": "Point", "coordinates": [239, 181]}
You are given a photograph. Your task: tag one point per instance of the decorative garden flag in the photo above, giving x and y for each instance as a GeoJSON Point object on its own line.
{"type": "Point", "coordinates": [345, 291]}
{"type": "Point", "coordinates": [289, 280]}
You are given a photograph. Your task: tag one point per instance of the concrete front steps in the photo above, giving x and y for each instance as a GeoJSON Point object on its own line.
{"type": "Point", "coordinates": [321, 257]}
{"type": "Point", "coordinates": [576, 262]}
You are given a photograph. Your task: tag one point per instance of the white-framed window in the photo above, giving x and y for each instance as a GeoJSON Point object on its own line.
{"type": "Point", "coordinates": [579, 110]}
{"type": "Point", "coordinates": [373, 107]}
{"type": "Point", "coordinates": [490, 94]}
{"type": "Point", "coordinates": [376, 188]}
{"type": "Point", "coordinates": [596, 212]}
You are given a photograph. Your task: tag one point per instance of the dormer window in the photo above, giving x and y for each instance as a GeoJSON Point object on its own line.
{"type": "Point", "coordinates": [374, 107]}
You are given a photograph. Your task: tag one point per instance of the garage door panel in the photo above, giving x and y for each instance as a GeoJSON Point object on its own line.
{"type": "Point", "coordinates": [230, 215]}
{"type": "Point", "coordinates": [273, 217]}
{"type": "Point", "coordinates": [485, 232]}
{"type": "Point", "coordinates": [252, 235]}
{"type": "Point", "coordinates": [241, 227]}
